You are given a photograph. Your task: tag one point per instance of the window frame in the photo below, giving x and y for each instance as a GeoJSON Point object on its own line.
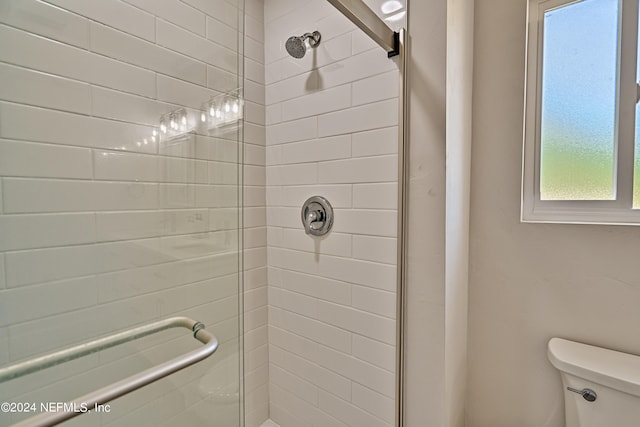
{"type": "Point", "coordinates": [617, 211]}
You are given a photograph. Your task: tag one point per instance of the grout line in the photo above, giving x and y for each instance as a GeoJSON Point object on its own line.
{"type": "Point", "coordinates": [122, 61]}
{"type": "Point", "coordinates": [152, 14]}
{"type": "Point", "coordinates": [334, 111]}
{"type": "Point", "coordinates": [2, 194]}
{"type": "Point", "coordinates": [113, 120]}
{"type": "Point", "coordinates": [286, 58]}
{"type": "Point", "coordinates": [3, 265]}
{"type": "Point", "coordinates": [331, 349]}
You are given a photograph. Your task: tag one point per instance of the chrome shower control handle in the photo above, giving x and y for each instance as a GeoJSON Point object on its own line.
{"type": "Point", "coordinates": [317, 216]}
{"type": "Point", "coordinates": [314, 216]}
{"type": "Point", "coordinates": [314, 219]}
{"type": "Point", "coordinates": [588, 394]}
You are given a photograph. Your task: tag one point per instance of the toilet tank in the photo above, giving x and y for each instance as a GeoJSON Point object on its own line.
{"type": "Point", "coordinates": [613, 376]}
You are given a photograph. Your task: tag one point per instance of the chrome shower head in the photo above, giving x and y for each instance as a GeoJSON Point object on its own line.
{"type": "Point", "coordinates": [297, 47]}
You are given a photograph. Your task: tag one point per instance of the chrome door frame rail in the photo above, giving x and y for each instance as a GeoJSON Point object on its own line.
{"type": "Point", "coordinates": [122, 387]}
{"type": "Point", "coordinates": [403, 221]}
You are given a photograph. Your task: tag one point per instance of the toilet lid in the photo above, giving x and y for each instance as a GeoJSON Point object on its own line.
{"type": "Point", "coordinates": [614, 369]}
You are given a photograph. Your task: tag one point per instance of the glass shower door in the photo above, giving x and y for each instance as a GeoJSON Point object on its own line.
{"type": "Point", "coordinates": [120, 142]}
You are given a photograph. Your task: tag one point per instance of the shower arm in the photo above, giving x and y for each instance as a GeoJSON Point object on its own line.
{"type": "Point", "coordinates": [314, 38]}
{"type": "Point", "coordinates": [365, 19]}
{"type": "Point", "coordinates": [96, 399]}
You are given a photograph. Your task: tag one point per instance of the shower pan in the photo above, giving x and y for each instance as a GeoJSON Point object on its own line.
{"type": "Point", "coordinates": [152, 154]}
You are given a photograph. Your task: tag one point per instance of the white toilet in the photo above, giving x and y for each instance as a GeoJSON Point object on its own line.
{"type": "Point", "coordinates": [601, 387]}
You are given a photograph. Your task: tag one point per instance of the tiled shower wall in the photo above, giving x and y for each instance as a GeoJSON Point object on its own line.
{"type": "Point", "coordinates": [103, 227]}
{"type": "Point", "coordinates": [331, 131]}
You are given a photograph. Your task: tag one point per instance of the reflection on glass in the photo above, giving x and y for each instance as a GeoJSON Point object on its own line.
{"type": "Point", "coordinates": [393, 12]}
{"type": "Point", "coordinates": [578, 111]}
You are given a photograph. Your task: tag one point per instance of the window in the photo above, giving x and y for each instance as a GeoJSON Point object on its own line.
{"type": "Point", "coordinates": [581, 160]}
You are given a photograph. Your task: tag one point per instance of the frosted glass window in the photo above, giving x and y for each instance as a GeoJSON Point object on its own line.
{"type": "Point", "coordinates": [581, 158]}
{"type": "Point", "coordinates": [578, 101]}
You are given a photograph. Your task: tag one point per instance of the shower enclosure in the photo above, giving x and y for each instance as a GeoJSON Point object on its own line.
{"type": "Point", "coordinates": [120, 163]}
{"type": "Point", "coordinates": [329, 355]}
{"type": "Point", "coordinates": [154, 158]}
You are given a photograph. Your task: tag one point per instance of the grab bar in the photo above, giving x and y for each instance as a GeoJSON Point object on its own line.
{"type": "Point", "coordinates": [121, 387]}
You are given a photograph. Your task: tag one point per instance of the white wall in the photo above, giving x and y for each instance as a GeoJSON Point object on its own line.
{"type": "Point", "coordinates": [530, 282]}
{"type": "Point", "coordinates": [459, 124]}
{"type": "Point", "coordinates": [425, 293]}
{"type": "Point", "coordinates": [102, 228]}
{"type": "Point", "coordinates": [331, 131]}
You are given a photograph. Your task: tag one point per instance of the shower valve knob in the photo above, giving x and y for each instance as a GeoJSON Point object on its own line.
{"type": "Point", "coordinates": [317, 216]}
{"type": "Point", "coordinates": [314, 216]}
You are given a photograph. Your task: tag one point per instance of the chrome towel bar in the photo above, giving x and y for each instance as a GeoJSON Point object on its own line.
{"type": "Point", "coordinates": [121, 387]}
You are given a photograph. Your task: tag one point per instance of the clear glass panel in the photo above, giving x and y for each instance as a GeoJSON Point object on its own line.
{"type": "Point", "coordinates": [578, 112]}
{"type": "Point", "coordinates": [120, 204]}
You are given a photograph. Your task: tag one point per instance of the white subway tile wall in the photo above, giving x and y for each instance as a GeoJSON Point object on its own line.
{"type": "Point", "coordinates": [332, 131]}
{"type": "Point", "coordinates": [105, 225]}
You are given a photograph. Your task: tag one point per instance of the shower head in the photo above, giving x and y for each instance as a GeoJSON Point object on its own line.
{"type": "Point", "coordinates": [297, 47]}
